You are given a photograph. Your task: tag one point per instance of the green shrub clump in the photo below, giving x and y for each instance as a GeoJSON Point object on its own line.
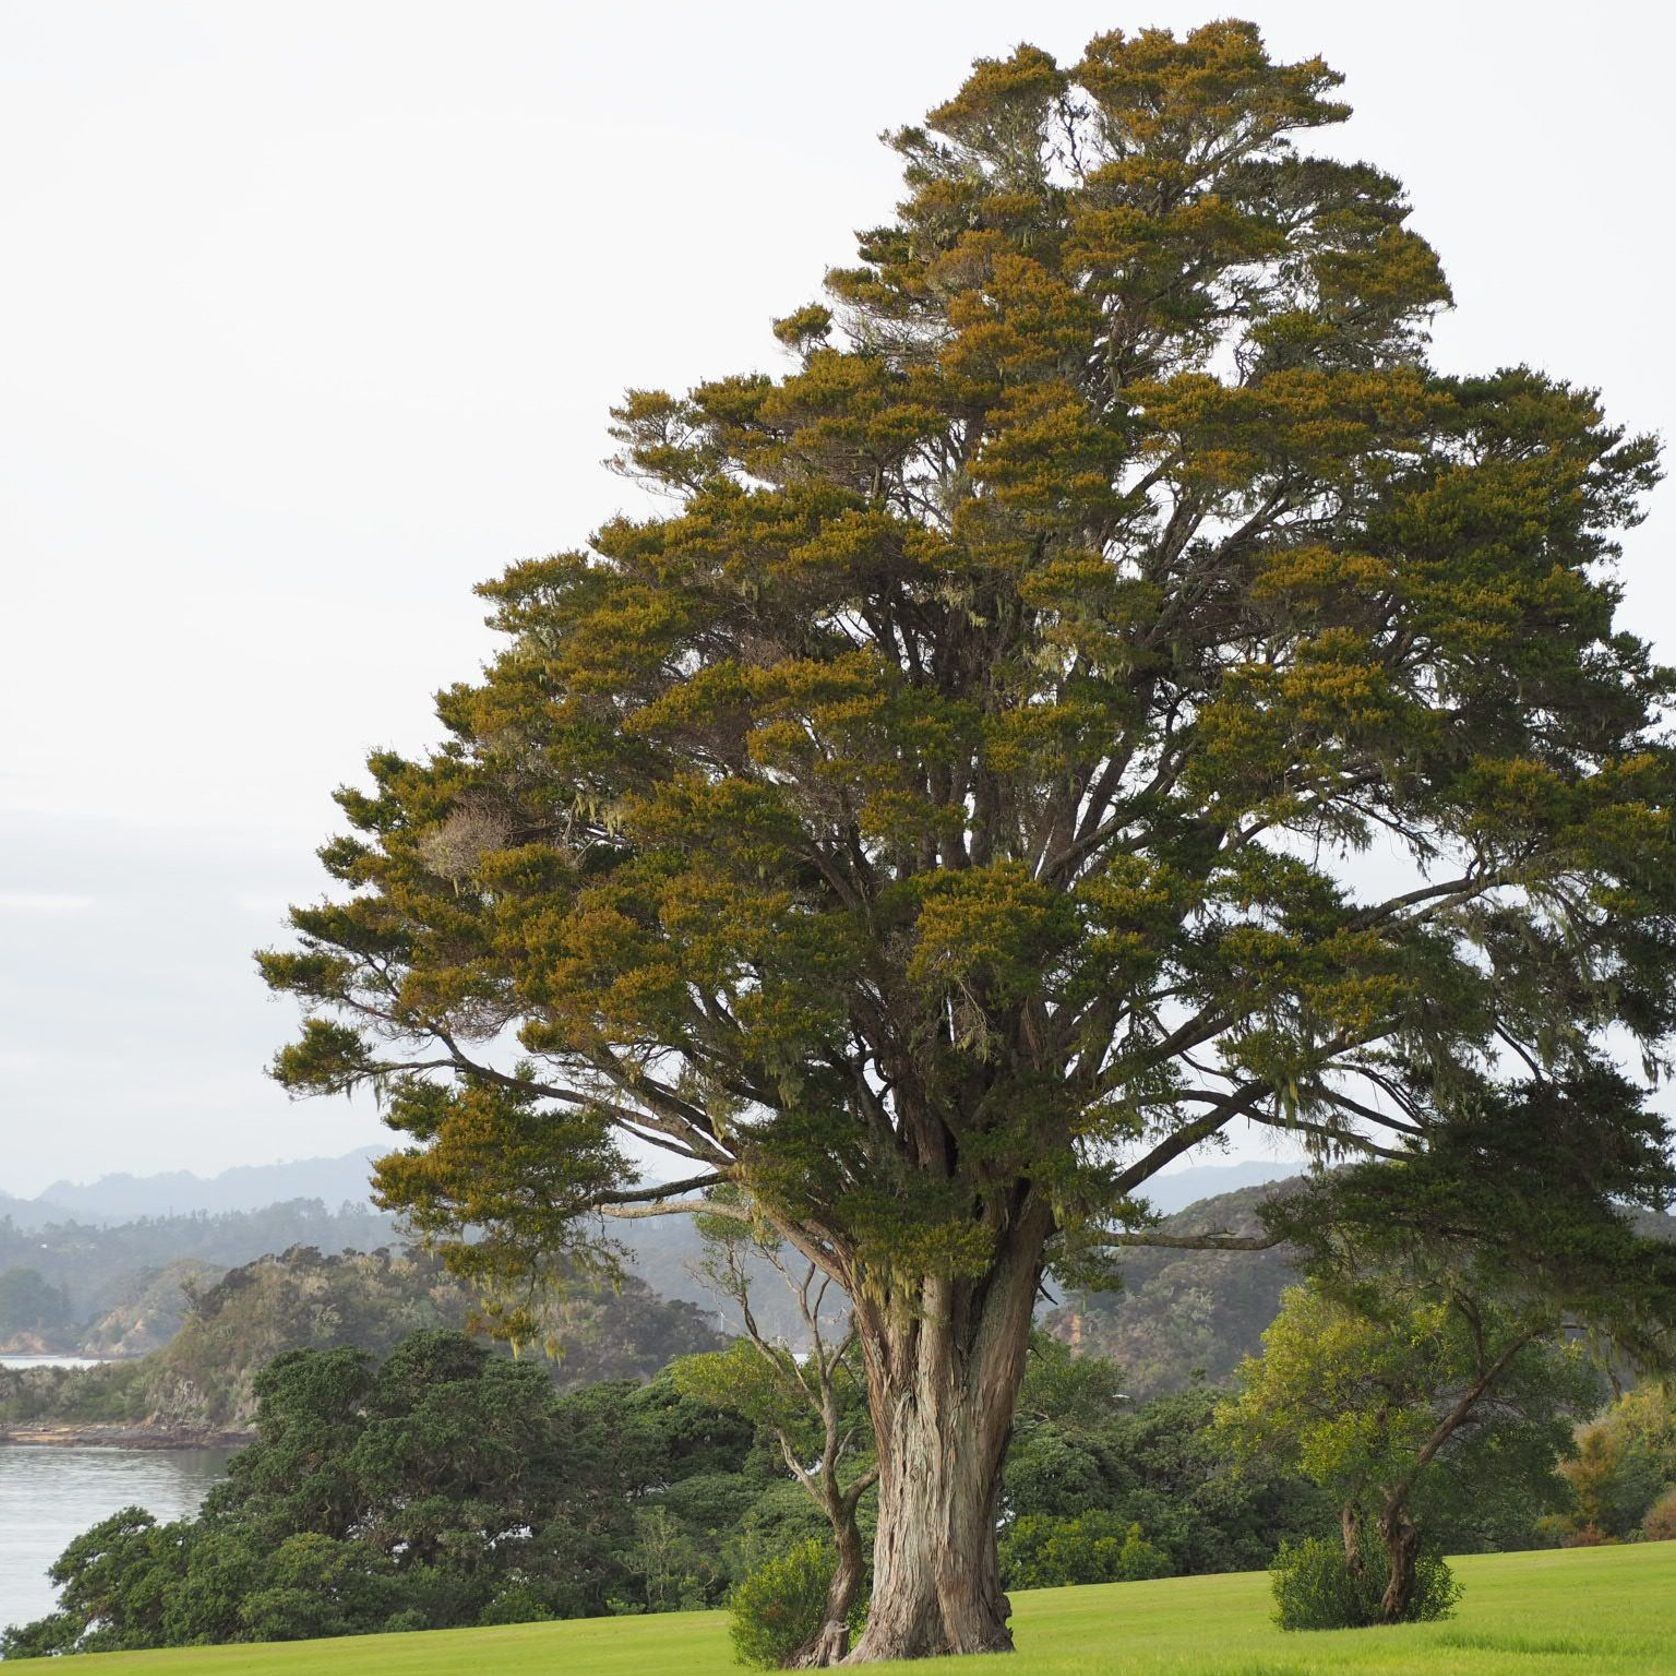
{"type": "Point", "coordinates": [1040, 1551]}
{"type": "Point", "coordinates": [1314, 1587]}
{"type": "Point", "coordinates": [781, 1606]}
{"type": "Point", "coordinates": [1659, 1525]}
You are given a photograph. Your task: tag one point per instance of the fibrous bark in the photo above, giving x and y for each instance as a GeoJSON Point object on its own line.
{"type": "Point", "coordinates": [943, 1375]}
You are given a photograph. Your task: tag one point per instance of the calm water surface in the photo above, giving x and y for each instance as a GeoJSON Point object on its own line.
{"type": "Point", "coordinates": [49, 1494]}
{"type": "Point", "coordinates": [52, 1361]}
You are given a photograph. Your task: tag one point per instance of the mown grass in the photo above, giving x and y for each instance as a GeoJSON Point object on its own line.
{"type": "Point", "coordinates": [1583, 1612]}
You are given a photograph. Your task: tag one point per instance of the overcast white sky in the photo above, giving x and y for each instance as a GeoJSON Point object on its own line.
{"type": "Point", "coordinates": [312, 314]}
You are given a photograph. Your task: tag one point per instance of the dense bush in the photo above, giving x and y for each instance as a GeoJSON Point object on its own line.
{"type": "Point", "coordinates": [1040, 1551]}
{"type": "Point", "coordinates": [1314, 1587]}
{"type": "Point", "coordinates": [113, 1391]}
{"type": "Point", "coordinates": [1659, 1523]}
{"type": "Point", "coordinates": [780, 1607]}
{"type": "Point", "coordinates": [31, 1305]}
{"type": "Point", "coordinates": [451, 1487]}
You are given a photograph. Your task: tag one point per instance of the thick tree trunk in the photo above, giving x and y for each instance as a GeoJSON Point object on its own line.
{"type": "Point", "coordinates": [1402, 1545]}
{"type": "Point", "coordinates": [944, 1361]}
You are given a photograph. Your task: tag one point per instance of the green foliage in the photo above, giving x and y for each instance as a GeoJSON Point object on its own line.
{"type": "Point", "coordinates": [445, 1486]}
{"type": "Point", "coordinates": [1079, 1448]}
{"type": "Point", "coordinates": [1658, 1524]}
{"type": "Point", "coordinates": [1526, 1197]}
{"type": "Point", "coordinates": [1040, 1551]}
{"type": "Point", "coordinates": [516, 1604]}
{"type": "Point", "coordinates": [317, 1586]}
{"type": "Point", "coordinates": [1620, 1470]}
{"type": "Point", "coordinates": [114, 1391]}
{"type": "Point", "coordinates": [31, 1306]}
{"type": "Point", "coordinates": [1315, 1588]}
{"type": "Point", "coordinates": [759, 1385]}
{"type": "Point", "coordinates": [781, 1605]}
{"type": "Point", "coordinates": [1365, 1399]}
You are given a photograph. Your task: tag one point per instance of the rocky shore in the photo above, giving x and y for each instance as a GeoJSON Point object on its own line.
{"type": "Point", "coordinates": [119, 1435]}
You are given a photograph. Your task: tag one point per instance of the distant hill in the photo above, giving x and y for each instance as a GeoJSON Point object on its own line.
{"type": "Point", "coordinates": [31, 1213]}
{"type": "Point", "coordinates": [662, 1250]}
{"type": "Point", "coordinates": [201, 1381]}
{"type": "Point", "coordinates": [1178, 1313]}
{"type": "Point", "coordinates": [123, 1198]}
{"type": "Point", "coordinates": [1181, 1314]}
{"type": "Point", "coordinates": [109, 1267]}
{"type": "Point", "coordinates": [1177, 1189]}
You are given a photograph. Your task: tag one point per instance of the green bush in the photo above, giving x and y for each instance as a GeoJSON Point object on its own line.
{"type": "Point", "coordinates": [1659, 1524]}
{"type": "Point", "coordinates": [782, 1605]}
{"type": "Point", "coordinates": [519, 1604]}
{"type": "Point", "coordinates": [1314, 1587]}
{"type": "Point", "coordinates": [1040, 1551]}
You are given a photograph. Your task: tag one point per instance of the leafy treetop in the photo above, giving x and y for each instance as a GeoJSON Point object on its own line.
{"type": "Point", "coordinates": [948, 810]}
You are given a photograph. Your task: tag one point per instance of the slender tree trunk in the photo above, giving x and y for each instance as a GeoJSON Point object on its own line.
{"type": "Point", "coordinates": [1350, 1521]}
{"type": "Point", "coordinates": [1402, 1544]}
{"type": "Point", "coordinates": [944, 1363]}
{"type": "Point", "coordinates": [832, 1641]}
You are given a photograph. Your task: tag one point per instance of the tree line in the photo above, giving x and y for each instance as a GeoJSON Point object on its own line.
{"type": "Point", "coordinates": [445, 1486]}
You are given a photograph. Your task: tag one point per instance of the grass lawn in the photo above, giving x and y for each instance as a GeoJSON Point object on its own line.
{"type": "Point", "coordinates": [1585, 1612]}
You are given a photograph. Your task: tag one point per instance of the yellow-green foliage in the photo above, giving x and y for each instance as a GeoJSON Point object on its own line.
{"type": "Point", "coordinates": [933, 820]}
{"type": "Point", "coordinates": [1367, 1399]}
{"type": "Point", "coordinates": [1106, 525]}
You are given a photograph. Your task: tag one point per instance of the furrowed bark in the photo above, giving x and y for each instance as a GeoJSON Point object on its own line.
{"type": "Point", "coordinates": [943, 1373]}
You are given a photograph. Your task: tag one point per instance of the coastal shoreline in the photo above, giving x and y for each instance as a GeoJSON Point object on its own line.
{"type": "Point", "coordinates": [118, 1435]}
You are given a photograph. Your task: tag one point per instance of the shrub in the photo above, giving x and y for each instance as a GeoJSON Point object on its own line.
{"type": "Point", "coordinates": [1040, 1551]}
{"type": "Point", "coordinates": [519, 1604]}
{"type": "Point", "coordinates": [1314, 1587]}
{"type": "Point", "coordinates": [1660, 1523]}
{"type": "Point", "coordinates": [782, 1605]}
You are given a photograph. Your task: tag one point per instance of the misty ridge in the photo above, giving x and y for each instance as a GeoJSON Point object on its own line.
{"type": "Point", "coordinates": [122, 1254]}
{"type": "Point", "coordinates": [340, 1181]}
{"type": "Point", "coordinates": [343, 1182]}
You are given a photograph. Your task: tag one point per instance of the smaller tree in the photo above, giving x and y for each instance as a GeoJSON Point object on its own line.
{"type": "Point", "coordinates": [1619, 1467]}
{"type": "Point", "coordinates": [812, 1402]}
{"type": "Point", "coordinates": [1370, 1398]}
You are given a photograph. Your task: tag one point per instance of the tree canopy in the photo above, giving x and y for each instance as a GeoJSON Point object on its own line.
{"type": "Point", "coordinates": [1405, 1400]}
{"type": "Point", "coordinates": [1108, 686]}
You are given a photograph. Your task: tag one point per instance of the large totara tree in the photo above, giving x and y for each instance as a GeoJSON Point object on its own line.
{"type": "Point", "coordinates": [1110, 687]}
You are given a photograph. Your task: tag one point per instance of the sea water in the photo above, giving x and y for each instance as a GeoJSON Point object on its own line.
{"type": "Point", "coordinates": [50, 1493]}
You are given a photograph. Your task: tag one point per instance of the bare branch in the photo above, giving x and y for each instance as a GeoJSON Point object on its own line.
{"type": "Point", "coordinates": [680, 1207]}
{"type": "Point", "coordinates": [1193, 1242]}
{"type": "Point", "coordinates": [661, 1190]}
